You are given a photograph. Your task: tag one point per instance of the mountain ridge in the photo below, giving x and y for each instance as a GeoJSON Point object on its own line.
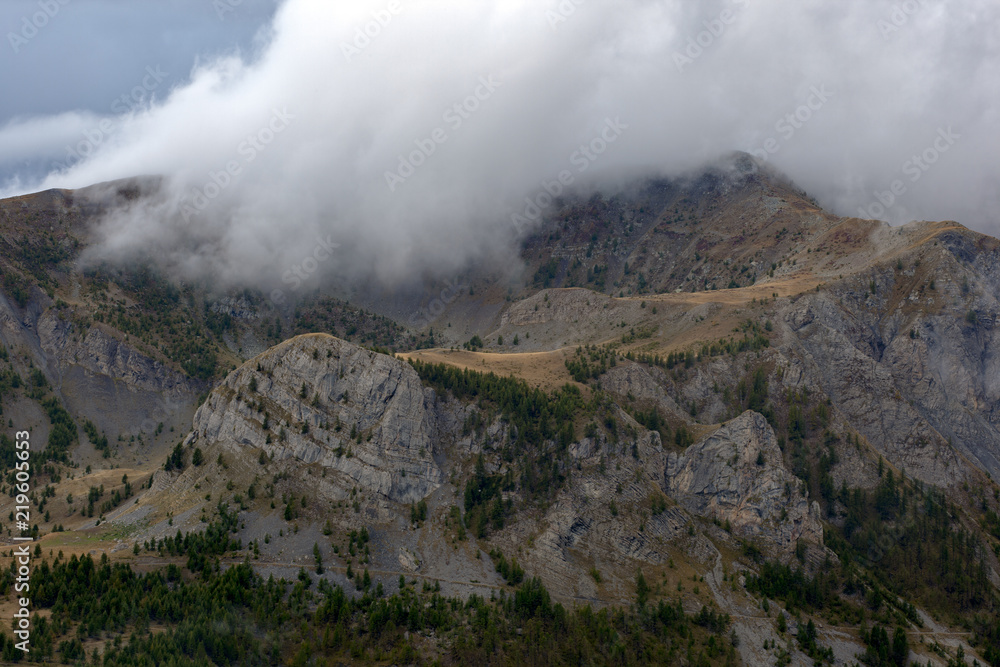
{"type": "Point", "coordinates": [705, 377]}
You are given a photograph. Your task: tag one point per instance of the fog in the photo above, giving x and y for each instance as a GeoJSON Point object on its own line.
{"type": "Point", "coordinates": [385, 140]}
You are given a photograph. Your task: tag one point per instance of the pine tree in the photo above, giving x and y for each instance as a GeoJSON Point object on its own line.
{"type": "Point", "coordinates": [641, 590]}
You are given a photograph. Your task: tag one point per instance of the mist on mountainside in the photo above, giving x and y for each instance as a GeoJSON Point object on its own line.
{"type": "Point", "coordinates": [390, 139]}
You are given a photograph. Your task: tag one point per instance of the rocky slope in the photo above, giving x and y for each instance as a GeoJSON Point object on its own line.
{"type": "Point", "coordinates": [727, 477]}
{"type": "Point", "coordinates": [746, 364]}
{"type": "Point", "coordinates": [97, 374]}
{"type": "Point", "coordinates": [318, 399]}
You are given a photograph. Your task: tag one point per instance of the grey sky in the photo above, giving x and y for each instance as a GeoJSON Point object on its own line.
{"type": "Point", "coordinates": [412, 145]}
{"type": "Point", "coordinates": [88, 54]}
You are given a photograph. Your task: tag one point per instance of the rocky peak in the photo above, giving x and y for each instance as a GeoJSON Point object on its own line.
{"type": "Point", "coordinates": [319, 399]}
{"type": "Point", "coordinates": [737, 475]}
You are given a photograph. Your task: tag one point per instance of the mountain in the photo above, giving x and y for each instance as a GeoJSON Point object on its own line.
{"type": "Point", "coordinates": [758, 431]}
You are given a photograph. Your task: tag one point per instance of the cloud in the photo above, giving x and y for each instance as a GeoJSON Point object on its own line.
{"type": "Point", "coordinates": [408, 133]}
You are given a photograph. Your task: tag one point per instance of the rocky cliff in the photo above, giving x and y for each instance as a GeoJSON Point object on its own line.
{"type": "Point", "coordinates": [737, 476]}
{"type": "Point", "coordinates": [96, 372]}
{"type": "Point", "coordinates": [318, 399]}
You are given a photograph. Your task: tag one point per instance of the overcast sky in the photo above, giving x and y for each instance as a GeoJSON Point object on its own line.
{"type": "Point", "coordinates": [410, 131]}
{"type": "Point", "coordinates": [90, 57]}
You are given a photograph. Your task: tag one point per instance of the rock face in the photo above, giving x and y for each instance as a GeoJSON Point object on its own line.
{"type": "Point", "coordinates": [97, 375]}
{"type": "Point", "coordinates": [910, 357]}
{"type": "Point", "coordinates": [737, 475]}
{"type": "Point", "coordinates": [322, 400]}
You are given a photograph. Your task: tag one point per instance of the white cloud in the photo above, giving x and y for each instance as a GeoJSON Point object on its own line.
{"type": "Point", "coordinates": [353, 117]}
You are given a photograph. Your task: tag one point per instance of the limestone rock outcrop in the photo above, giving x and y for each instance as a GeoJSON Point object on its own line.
{"type": "Point", "coordinates": [322, 400]}
{"type": "Point", "coordinates": [737, 475]}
